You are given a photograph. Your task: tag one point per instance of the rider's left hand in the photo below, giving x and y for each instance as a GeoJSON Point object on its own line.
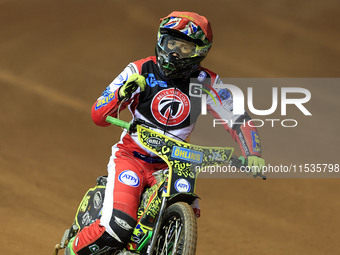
{"type": "Point", "coordinates": [255, 163]}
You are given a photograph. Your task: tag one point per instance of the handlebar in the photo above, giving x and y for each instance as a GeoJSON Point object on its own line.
{"type": "Point", "coordinates": [131, 128]}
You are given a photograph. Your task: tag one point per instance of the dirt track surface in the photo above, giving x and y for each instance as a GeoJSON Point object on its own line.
{"type": "Point", "coordinates": [56, 58]}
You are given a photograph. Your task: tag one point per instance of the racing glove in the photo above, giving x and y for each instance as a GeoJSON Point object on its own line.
{"type": "Point", "coordinates": [131, 85]}
{"type": "Point", "coordinates": [254, 163]}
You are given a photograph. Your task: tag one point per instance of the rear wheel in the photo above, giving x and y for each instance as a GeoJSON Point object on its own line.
{"type": "Point", "coordinates": [178, 232]}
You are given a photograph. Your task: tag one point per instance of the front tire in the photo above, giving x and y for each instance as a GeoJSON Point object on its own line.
{"type": "Point", "coordinates": [178, 232]}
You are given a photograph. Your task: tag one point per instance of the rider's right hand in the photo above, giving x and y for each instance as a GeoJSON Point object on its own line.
{"type": "Point", "coordinates": [131, 85]}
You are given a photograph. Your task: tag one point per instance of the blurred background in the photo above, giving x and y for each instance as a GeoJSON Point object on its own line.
{"type": "Point", "coordinates": [57, 57]}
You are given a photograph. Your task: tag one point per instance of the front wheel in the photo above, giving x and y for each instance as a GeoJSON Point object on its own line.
{"type": "Point", "coordinates": [178, 232]}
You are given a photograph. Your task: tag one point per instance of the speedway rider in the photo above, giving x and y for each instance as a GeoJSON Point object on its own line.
{"type": "Point", "coordinates": [156, 89]}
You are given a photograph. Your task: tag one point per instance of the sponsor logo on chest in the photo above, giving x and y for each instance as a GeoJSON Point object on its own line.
{"type": "Point", "coordinates": [170, 107]}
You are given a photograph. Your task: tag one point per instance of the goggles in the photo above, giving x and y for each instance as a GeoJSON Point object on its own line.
{"type": "Point", "coordinates": [184, 49]}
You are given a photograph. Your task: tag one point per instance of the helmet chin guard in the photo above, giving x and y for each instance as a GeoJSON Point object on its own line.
{"type": "Point", "coordinates": [173, 66]}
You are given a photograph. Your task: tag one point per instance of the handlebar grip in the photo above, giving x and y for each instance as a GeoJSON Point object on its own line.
{"type": "Point", "coordinates": [118, 122]}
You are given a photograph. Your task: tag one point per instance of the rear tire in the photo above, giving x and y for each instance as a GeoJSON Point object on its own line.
{"type": "Point", "coordinates": [178, 232]}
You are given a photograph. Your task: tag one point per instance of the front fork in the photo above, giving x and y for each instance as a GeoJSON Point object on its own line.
{"type": "Point", "coordinates": [157, 227]}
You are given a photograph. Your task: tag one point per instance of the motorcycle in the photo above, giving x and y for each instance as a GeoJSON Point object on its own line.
{"type": "Point", "coordinates": [166, 223]}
